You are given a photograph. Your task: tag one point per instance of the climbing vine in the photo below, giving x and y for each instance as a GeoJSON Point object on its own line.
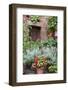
{"type": "Point", "coordinates": [52, 23]}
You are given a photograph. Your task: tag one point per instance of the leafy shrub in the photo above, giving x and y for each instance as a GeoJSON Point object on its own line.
{"type": "Point", "coordinates": [29, 55]}
{"type": "Point", "coordinates": [51, 55]}
{"type": "Point", "coordinates": [50, 42]}
{"type": "Point", "coordinates": [49, 50]}
{"type": "Point", "coordinates": [52, 69]}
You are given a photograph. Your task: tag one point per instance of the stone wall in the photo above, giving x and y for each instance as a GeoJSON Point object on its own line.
{"type": "Point", "coordinates": [42, 24]}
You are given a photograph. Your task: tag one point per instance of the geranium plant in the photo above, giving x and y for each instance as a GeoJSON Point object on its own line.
{"type": "Point", "coordinates": [40, 61]}
{"type": "Point", "coordinates": [39, 64]}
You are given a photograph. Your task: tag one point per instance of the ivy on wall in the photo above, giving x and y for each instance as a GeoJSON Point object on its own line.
{"type": "Point", "coordinates": [52, 23]}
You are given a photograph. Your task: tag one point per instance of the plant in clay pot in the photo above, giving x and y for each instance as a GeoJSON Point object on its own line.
{"type": "Point", "coordinates": [39, 64]}
{"type": "Point", "coordinates": [51, 34]}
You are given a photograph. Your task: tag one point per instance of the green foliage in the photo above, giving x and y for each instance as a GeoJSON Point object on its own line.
{"type": "Point", "coordinates": [35, 44]}
{"type": "Point", "coordinates": [50, 42]}
{"type": "Point", "coordinates": [51, 55]}
{"type": "Point", "coordinates": [35, 19]}
{"type": "Point", "coordinates": [52, 23]}
{"type": "Point", "coordinates": [49, 49]}
{"type": "Point", "coordinates": [30, 53]}
{"type": "Point", "coordinates": [41, 61]}
{"type": "Point", "coordinates": [26, 37]}
{"type": "Point", "coordinates": [52, 69]}
{"type": "Point", "coordinates": [28, 57]}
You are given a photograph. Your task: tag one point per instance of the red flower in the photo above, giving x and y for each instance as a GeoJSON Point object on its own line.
{"type": "Point", "coordinates": [36, 60]}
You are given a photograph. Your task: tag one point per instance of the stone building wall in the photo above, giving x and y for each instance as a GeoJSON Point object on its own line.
{"type": "Point", "coordinates": [42, 24]}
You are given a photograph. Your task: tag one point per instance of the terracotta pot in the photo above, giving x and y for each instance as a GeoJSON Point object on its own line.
{"type": "Point", "coordinates": [40, 70]}
{"type": "Point", "coordinates": [50, 34]}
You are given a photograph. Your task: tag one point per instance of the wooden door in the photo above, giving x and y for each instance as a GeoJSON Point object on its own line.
{"type": "Point", "coordinates": [35, 33]}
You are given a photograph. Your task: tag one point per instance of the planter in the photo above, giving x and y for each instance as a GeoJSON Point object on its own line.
{"type": "Point", "coordinates": [39, 64]}
{"type": "Point", "coordinates": [40, 70]}
{"type": "Point", "coordinates": [51, 34]}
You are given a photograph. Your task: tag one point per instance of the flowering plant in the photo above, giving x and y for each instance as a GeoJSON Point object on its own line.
{"type": "Point", "coordinates": [40, 61]}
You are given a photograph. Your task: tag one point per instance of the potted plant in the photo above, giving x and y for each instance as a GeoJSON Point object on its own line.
{"type": "Point", "coordinates": [39, 64]}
